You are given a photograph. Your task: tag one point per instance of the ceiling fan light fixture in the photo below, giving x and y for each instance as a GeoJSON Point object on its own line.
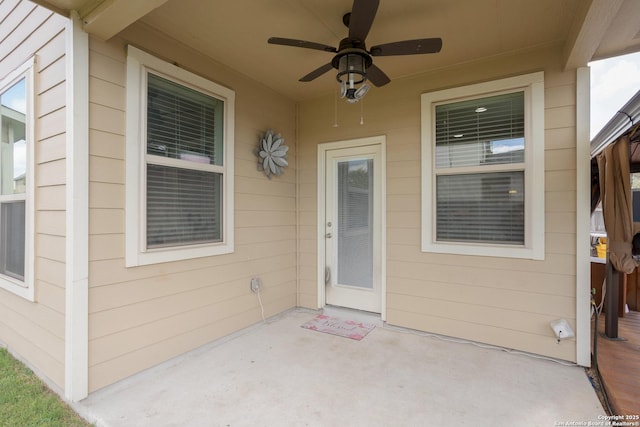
{"type": "Point", "coordinates": [352, 59]}
{"type": "Point", "coordinates": [352, 68]}
{"type": "Point", "coordinates": [352, 74]}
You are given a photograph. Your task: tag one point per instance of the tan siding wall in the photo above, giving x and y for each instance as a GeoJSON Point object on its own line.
{"type": "Point", "coordinates": [145, 315]}
{"type": "Point", "coordinates": [507, 302]}
{"type": "Point", "coordinates": [35, 330]}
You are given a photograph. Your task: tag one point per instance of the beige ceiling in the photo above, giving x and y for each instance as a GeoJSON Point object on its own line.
{"type": "Point", "coordinates": [235, 32]}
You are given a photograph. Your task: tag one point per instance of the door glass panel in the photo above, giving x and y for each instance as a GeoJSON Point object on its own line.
{"type": "Point", "coordinates": [355, 225]}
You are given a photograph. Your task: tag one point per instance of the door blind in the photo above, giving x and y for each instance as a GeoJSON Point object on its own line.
{"type": "Point", "coordinates": [355, 225]}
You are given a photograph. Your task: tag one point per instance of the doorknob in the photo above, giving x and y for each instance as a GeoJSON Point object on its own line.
{"type": "Point", "coordinates": [328, 235]}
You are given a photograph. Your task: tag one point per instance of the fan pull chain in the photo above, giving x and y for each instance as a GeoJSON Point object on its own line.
{"type": "Point", "coordinates": [335, 110]}
{"type": "Point", "coordinates": [362, 111]}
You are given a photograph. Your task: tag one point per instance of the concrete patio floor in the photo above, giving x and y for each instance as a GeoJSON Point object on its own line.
{"type": "Point", "coordinates": [279, 374]}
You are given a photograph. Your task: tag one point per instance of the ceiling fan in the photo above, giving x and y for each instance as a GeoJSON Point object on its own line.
{"type": "Point", "coordinates": [352, 59]}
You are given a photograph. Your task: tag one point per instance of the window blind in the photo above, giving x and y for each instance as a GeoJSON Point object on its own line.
{"type": "Point", "coordinates": [475, 202]}
{"type": "Point", "coordinates": [184, 202]}
{"type": "Point", "coordinates": [183, 206]}
{"type": "Point", "coordinates": [481, 208]}
{"type": "Point", "coordinates": [183, 123]}
{"type": "Point", "coordinates": [480, 131]}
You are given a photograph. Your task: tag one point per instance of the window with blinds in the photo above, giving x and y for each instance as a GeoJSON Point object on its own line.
{"type": "Point", "coordinates": [480, 170]}
{"type": "Point", "coordinates": [16, 181]}
{"type": "Point", "coordinates": [179, 183]}
{"type": "Point", "coordinates": [184, 165]}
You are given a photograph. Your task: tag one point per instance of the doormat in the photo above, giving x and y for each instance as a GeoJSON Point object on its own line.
{"type": "Point", "coordinates": [343, 328]}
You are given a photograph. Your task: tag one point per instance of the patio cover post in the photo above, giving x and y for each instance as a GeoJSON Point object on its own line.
{"type": "Point", "coordinates": [611, 300]}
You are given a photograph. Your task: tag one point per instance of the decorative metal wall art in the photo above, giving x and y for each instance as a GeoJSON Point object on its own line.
{"type": "Point", "coordinates": [272, 154]}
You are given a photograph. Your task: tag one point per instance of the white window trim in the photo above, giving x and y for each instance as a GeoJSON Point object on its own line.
{"type": "Point", "coordinates": [138, 62]}
{"type": "Point", "coordinates": [534, 246]}
{"type": "Point", "coordinates": [25, 289]}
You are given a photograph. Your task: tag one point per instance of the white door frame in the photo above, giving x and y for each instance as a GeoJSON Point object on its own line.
{"type": "Point", "coordinates": [322, 167]}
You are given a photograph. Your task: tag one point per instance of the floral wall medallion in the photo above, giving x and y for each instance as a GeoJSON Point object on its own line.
{"type": "Point", "coordinates": [272, 154]}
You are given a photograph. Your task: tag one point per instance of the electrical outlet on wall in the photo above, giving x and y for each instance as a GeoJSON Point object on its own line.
{"type": "Point", "coordinates": [256, 284]}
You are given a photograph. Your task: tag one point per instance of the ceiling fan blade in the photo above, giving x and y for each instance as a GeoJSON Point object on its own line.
{"type": "Point", "coordinates": [301, 43]}
{"type": "Point", "coordinates": [376, 76]}
{"type": "Point", "coordinates": [363, 13]}
{"type": "Point", "coordinates": [316, 73]}
{"type": "Point", "coordinates": [408, 47]}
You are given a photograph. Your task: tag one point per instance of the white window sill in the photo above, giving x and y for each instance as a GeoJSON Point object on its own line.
{"type": "Point", "coordinates": [486, 250]}
{"type": "Point", "coordinates": [17, 288]}
{"type": "Point", "coordinates": [176, 254]}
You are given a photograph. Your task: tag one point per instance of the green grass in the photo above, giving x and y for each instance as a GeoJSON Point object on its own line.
{"type": "Point", "coordinates": [25, 401]}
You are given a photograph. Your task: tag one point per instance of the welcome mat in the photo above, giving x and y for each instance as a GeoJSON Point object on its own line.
{"type": "Point", "coordinates": [343, 328]}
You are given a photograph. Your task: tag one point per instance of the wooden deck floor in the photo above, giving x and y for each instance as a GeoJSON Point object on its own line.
{"type": "Point", "coordinates": [619, 364]}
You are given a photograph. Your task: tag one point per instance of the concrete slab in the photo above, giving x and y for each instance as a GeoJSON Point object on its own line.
{"type": "Point", "coordinates": [279, 374]}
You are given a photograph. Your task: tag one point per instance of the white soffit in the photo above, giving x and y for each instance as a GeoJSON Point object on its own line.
{"type": "Point", "coordinates": [112, 16]}
{"type": "Point", "coordinates": [588, 32]}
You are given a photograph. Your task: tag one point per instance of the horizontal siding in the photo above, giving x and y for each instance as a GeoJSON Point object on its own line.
{"type": "Point", "coordinates": [559, 264]}
{"type": "Point", "coordinates": [51, 124]}
{"type": "Point", "coordinates": [51, 173]}
{"type": "Point", "coordinates": [486, 295]}
{"type": "Point", "coordinates": [52, 74]}
{"type": "Point", "coordinates": [35, 330]}
{"type": "Point", "coordinates": [144, 315]}
{"type": "Point", "coordinates": [51, 99]}
{"type": "Point", "coordinates": [51, 149]}
{"type": "Point", "coordinates": [507, 302]}
{"type": "Point", "coordinates": [495, 335]}
{"type": "Point", "coordinates": [161, 318]}
{"type": "Point", "coordinates": [130, 362]}
{"type": "Point", "coordinates": [51, 223]}
{"type": "Point", "coordinates": [51, 197]}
